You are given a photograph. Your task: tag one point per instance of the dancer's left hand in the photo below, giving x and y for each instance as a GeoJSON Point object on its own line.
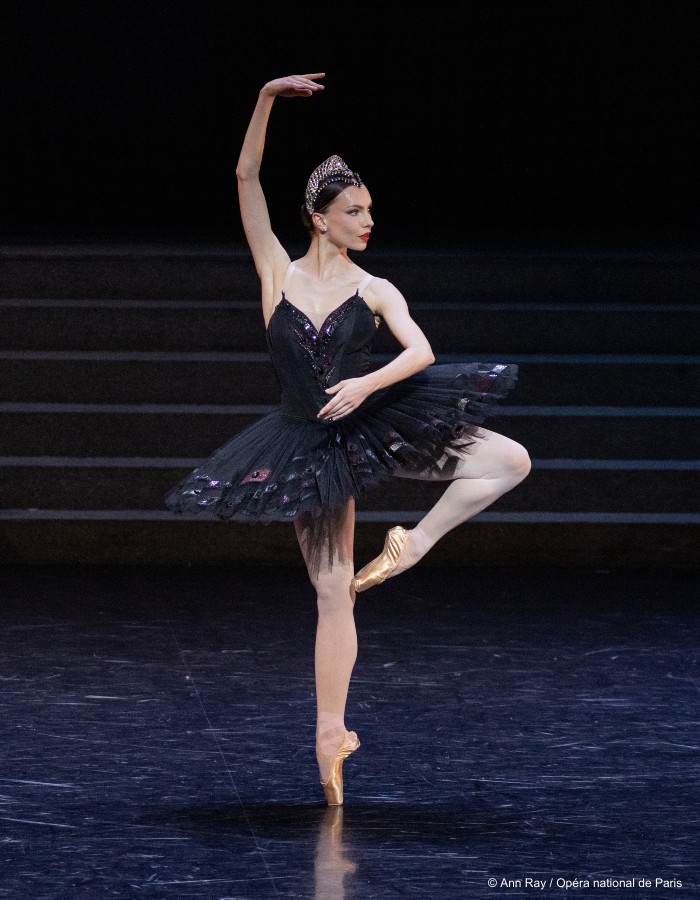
{"type": "Point", "coordinates": [349, 394]}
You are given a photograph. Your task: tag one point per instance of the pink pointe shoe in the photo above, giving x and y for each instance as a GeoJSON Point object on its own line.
{"type": "Point", "coordinates": [380, 568]}
{"type": "Point", "coordinates": [333, 786]}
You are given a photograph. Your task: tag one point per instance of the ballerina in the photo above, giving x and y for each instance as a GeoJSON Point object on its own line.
{"type": "Point", "coordinates": [341, 428]}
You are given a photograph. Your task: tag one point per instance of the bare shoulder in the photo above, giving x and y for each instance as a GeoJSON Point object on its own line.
{"type": "Point", "coordinates": [384, 297]}
{"type": "Point", "coordinates": [388, 303]}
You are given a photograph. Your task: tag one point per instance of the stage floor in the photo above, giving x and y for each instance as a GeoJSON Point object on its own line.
{"type": "Point", "coordinates": [158, 735]}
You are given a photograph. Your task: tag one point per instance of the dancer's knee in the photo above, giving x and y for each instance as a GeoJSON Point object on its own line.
{"type": "Point", "coordinates": [517, 462]}
{"type": "Point", "coordinates": [497, 458]}
{"type": "Point", "coordinates": [334, 592]}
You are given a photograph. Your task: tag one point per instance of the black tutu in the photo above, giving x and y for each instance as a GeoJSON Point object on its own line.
{"type": "Point", "coordinates": [290, 464]}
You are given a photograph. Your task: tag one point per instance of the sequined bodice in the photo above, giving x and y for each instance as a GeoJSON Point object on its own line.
{"type": "Point", "coordinates": [307, 360]}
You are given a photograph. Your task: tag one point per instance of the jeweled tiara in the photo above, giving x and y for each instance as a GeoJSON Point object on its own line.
{"type": "Point", "coordinates": [332, 169]}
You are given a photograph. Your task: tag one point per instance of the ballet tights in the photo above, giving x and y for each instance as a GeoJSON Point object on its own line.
{"type": "Point", "coordinates": [492, 467]}
{"type": "Point", "coordinates": [335, 655]}
{"type": "Point", "coordinates": [336, 646]}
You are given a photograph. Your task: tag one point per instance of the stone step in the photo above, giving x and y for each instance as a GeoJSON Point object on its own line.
{"type": "Point", "coordinates": [583, 433]}
{"type": "Point", "coordinates": [606, 343]}
{"type": "Point", "coordinates": [114, 325]}
{"type": "Point", "coordinates": [250, 378]}
{"type": "Point", "coordinates": [215, 272]}
{"type": "Point", "coordinates": [480, 542]}
{"type": "Point", "coordinates": [555, 490]}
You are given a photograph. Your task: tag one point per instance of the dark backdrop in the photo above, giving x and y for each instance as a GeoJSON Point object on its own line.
{"type": "Point", "coordinates": [493, 118]}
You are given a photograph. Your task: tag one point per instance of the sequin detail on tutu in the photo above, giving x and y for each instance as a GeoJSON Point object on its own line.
{"type": "Point", "coordinates": [321, 354]}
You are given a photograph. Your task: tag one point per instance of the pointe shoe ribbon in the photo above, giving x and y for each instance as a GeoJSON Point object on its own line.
{"type": "Point", "coordinates": [333, 787]}
{"type": "Point", "coordinates": [380, 568]}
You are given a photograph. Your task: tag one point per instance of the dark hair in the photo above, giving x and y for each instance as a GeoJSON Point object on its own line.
{"type": "Point", "coordinates": [325, 197]}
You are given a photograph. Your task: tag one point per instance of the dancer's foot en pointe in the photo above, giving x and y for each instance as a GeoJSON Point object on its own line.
{"type": "Point", "coordinates": [402, 549]}
{"type": "Point", "coordinates": [331, 768]}
{"type": "Point", "coordinates": [382, 566]}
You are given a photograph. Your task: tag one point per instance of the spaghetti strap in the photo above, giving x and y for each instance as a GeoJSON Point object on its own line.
{"type": "Point", "coordinates": [363, 284]}
{"type": "Point", "coordinates": [287, 274]}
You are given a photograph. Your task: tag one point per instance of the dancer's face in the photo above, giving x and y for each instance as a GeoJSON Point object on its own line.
{"type": "Point", "coordinates": [349, 218]}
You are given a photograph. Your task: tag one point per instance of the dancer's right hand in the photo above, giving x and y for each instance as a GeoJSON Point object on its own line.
{"type": "Point", "coordinates": [294, 86]}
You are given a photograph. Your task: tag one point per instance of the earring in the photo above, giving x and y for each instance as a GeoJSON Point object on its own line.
{"type": "Point", "coordinates": [324, 230]}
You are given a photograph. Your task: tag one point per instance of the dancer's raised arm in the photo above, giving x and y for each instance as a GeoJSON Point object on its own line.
{"type": "Point", "coordinates": [267, 251]}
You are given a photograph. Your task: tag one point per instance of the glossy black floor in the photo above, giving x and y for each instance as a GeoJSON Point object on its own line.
{"type": "Point", "coordinates": [158, 735]}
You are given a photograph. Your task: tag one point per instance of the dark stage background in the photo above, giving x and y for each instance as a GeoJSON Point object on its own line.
{"type": "Point", "coordinates": [533, 170]}
{"type": "Point", "coordinates": [523, 706]}
{"type": "Point", "coordinates": [538, 120]}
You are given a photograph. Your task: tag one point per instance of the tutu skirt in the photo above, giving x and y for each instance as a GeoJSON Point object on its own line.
{"type": "Point", "coordinates": [286, 466]}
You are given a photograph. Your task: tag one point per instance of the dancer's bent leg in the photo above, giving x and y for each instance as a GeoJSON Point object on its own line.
{"type": "Point", "coordinates": [336, 642]}
{"type": "Point", "coordinates": [490, 467]}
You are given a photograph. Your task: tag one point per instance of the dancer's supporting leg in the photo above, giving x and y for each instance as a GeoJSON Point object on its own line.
{"type": "Point", "coordinates": [489, 468]}
{"type": "Point", "coordinates": [336, 641]}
